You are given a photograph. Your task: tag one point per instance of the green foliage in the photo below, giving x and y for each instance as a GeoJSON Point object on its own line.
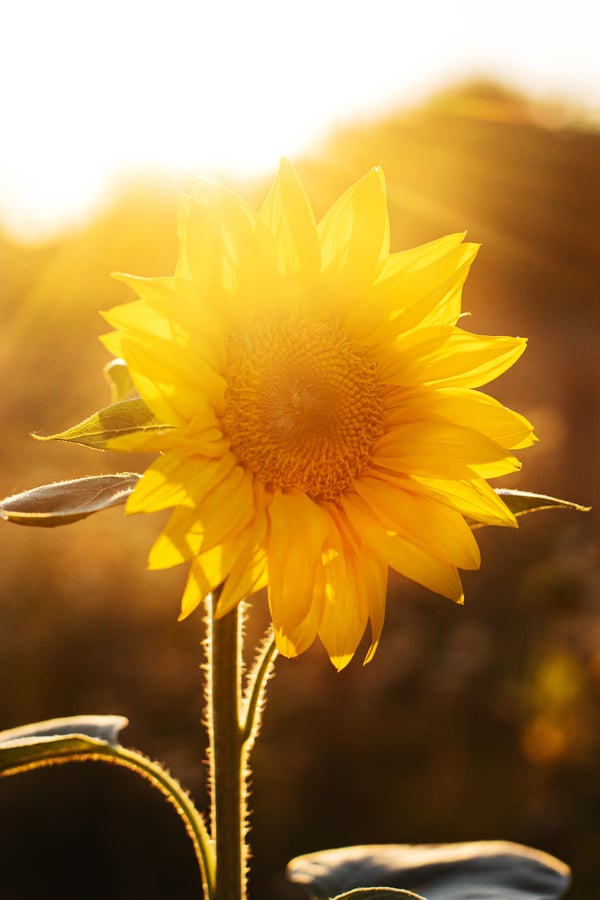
{"type": "Point", "coordinates": [104, 728]}
{"type": "Point", "coordinates": [94, 738]}
{"type": "Point", "coordinates": [483, 870]}
{"type": "Point", "coordinates": [54, 740]}
{"type": "Point", "coordinates": [121, 419]}
{"type": "Point", "coordinates": [64, 502]}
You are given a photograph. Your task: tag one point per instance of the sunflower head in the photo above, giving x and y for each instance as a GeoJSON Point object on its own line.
{"type": "Point", "coordinates": [326, 422]}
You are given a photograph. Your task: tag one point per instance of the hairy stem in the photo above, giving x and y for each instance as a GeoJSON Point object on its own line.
{"type": "Point", "coordinates": [255, 691]}
{"type": "Point", "coordinates": [227, 755]}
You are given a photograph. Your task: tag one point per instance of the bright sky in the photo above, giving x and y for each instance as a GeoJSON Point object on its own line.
{"type": "Point", "coordinates": [93, 88]}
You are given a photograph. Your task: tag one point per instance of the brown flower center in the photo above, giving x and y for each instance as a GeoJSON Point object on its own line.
{"type": "Point", "coordinates": [303, 407]}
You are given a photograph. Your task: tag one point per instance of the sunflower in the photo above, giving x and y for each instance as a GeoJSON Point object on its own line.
{"type": "Point", "coordinates": [324, 419]}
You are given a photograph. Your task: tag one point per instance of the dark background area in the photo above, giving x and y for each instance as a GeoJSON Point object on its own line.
{"type": "Point", "coordinates": [471, 723]}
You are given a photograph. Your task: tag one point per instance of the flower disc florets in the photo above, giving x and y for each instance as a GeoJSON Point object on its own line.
{"type": "Point", "coordinates": [303, 407]}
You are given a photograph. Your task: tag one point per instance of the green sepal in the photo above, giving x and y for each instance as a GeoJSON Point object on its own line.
{"type": "Point", "coordinates": [116, 421]}
{"type": "Point", "coordinates": [481, 869]}
{"type": "Point", "coordinates": [64, 502]}
{"type": "Point", "coordinates": [119, 380]}
{"type": "Point", "coordinates": [522, 502]}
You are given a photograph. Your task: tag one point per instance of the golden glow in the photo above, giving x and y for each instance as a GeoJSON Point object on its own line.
{"type": "Point", "coordinates": [326, 422]}
{"type": "Point", "coordinates": [93, 92]}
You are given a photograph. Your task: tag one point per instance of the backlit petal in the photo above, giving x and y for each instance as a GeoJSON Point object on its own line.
{"type": "Point", "coordinates": [400, 554]}
{"type": "Point", "coordinates": [236, 564]}
{"type": "Point", "coordinates": [293, 563]}
{"type": "Point", "coordinates": [229, 250]}
{"type": "Point", "coordinates": [410, 293]}
{"type": "Point", "coordinates": [464, 407]}
{"type": "Point", "coordinates": [441, 449]}
{"type": "Point", "coordinates": [449, 357]}
{"type": "Point", "coordinates": [247, 576]}
{"type": "Point", "coordinates": [174, 383]}
{"type": "Point", "coordinates": [356, 586]}
{"type": "Point", "coordinates": [354, 235]}
{"type": "Point", "coordinates": [167, 482]}
{"type": "Point", "coordinates": [226, 508]}
{"type": "Point", "coordinates": [289, 217]}
{"type": "Point", "coordinates": [474, 499]}
{"type": "Point", "coordinates": [174, 310]}
{"type": "Point", "coordinates": [422, 521]}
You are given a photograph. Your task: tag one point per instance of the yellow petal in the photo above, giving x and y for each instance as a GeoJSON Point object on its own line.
{"type": "Point", "coordinates": [441, 303]}
{"type": "Point", "coordinates": [419, 259]}
{"type": "Point", "coordinates": [179, 541]}
{"type": "Point", "coordinates": [465, 407]}
{"type": "Point", "coordinates": [175, 384]}
{"type": "Point", "coordinates": [219, 229]}
{"type": "Point", "coordinates": [113, 342]}
{"type": "Point", "coordinates": [236, 563]}
{"type": "Point", "coordinates": [210, 570]}
{"type": "Point", "coordinates": [440, 450]}
{"type": "Point", "coordinates": [148, 441]}
{"type": "Point", "coordinates": [249, 572]}
{"type": "Point", "coordinates": [206, 574]}
{"type": "Point", "coordinates": [202, 437]}
{"type": "Point", "coordinates": [449, 357]}
{"type": "Point", "coordinates": [220, 505]}
{"type": "Point", "coordinates": [345, 612]}
{"type": "Point", "coordinates": [139, 316]}
{"type": "Point", "coordinates": [222, 510]}
{"type": "Point", "coordinates": [356, 586]}
{"type": "Point", "coordinates": [166, 482]}
{"type": "Point", "coordinates": [400, 554]}
{"type": "Point", "coordinates": [425, 523]}
{"type": "Point", "coordinates": [354, 235]}
{"type": "Point", "coordinates": [298, 529]}
{"type": "Point", "coordinates": [297, 639]}
{"type": "Point", "coordinates": [373, 573]}
{"type": "Point", "coordinates": [474, 499]}
{"type": "Point", "coordinates": [227, 508]}
{"type": "Point", "coordinates": [230, 252]}
{"type": "Point", "coordinates": [423, 293]}
{"type": "Point", "coordinates": [288, 215]}
{"type": "Point", "coordinates": [248, 576]}
{"type": "Point", "coordinates": [174, 310]}
{"type": "Point", "coordinates": [184, 204]}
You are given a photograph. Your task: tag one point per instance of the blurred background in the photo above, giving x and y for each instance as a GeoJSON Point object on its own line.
{"type": "Point", "coordinates": [471, 723]}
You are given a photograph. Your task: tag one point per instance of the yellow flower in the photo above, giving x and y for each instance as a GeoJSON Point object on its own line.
{"type": "Point", "coordinates": [325, 420]}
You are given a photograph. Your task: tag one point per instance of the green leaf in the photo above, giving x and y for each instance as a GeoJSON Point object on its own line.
{"type": "Point", "coordinates": [94, 738]}
{"type": "Point", "coordinates": [104, 728]}
{"type": "Point", "coordinates": [64, 502]}
{"type": "Point", "coordinates": [521, 502]}
{"type": "Point", "coordinates": [42, 743]}
{"type": "Point", "coordinates": [119, 380]}
{"type": "Point", "coordinates": [483, 870]}
{"type": "Point", "coordinates": [117, 421]}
